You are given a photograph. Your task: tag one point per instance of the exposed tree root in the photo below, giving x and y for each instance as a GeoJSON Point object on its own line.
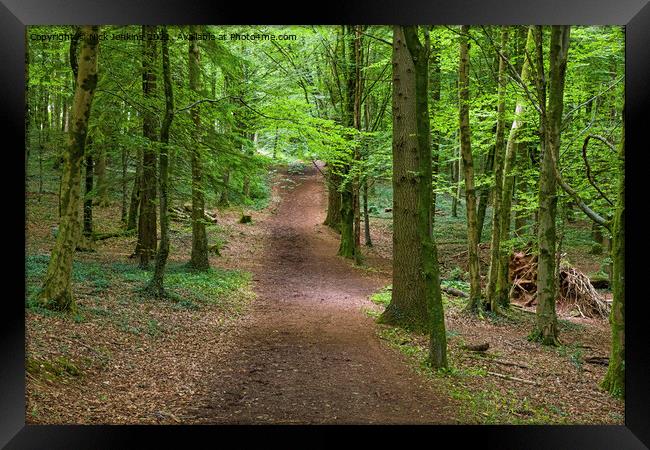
{"type": "Point", "coordinates": [575, 289]}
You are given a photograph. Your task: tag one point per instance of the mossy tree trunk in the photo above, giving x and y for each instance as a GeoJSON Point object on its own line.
{"type": "Point", "coordinates": [614, 381]}
{"type": "Point", "coordinates": [484, 193]}
{"type": "Point", "coordinates": [435, 138]}
{"type": "Point", "coordinates": [551, 120]}
{"type": "Point", "coordinates": [474, 304]}
{"type": "Point", "coordinates": [503, 280]}
{"type": "Point", "coordinates": [88, 199]}
{"type": "Point", "coordinates": [147, 231]}
{"type": "Point", "coordinates": [57, 293]}
{"type": "Point", "coordinates": [199, 258]}
{"type": "Point", "coordinates": [348, 247]}
{"type": "Point", "coordinates": [156, 286]}
{"type": "Point", "coordinates": [416, 301]}
{"type": "Point", "coordinates": [134, 204]}
{"type": "Point", "coordinates": [333, 218]}
{"type": "Point", "coordinates": [100, 172]}
{"type": "Point", "coordinates": [497, 192]}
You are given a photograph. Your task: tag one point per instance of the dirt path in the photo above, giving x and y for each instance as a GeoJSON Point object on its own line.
{"type": "Point", "coordinates": [307, 353]}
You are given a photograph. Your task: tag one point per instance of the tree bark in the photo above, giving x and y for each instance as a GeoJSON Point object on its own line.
{"type": "Point", "coordinates": [348, 247]}
{"type": "Point", "coordinates": [416, 301]}
{"type": "Point", "coordinates": [57, 293]}
{"type": "Point", "coordinates": [100, 173]}
{"type": "Point", "coordinates": [468, 166]}
{"type": "Point", "coordinates": [156, 286]}
{"type": "Point", "coordinates": [333, 218]}
{"type": "Point", "coordinates": [435, 138]}
{"type": "Point", "coordinates": [199, 259]}
{"type": "Point", "coordinates": [497, 192]}
{"type": "Point", "coordinates": [147, 232]}
{"type": "Point", "coordinates": [503, 281]}
{"type": "Point", "coordinates": [546, 326]}
{"type": "Point", "coordinates": [614, 381]}
{"type": "Point", "coordinates": [88, 200]}
{"type": "Point", "coordinates": [135, 193]}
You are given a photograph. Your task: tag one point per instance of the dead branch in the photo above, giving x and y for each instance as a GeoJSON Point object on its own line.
{"type": "Point", "coordinates": [455, 292]}
{"type": "Point", "coordinates": [509, 377]}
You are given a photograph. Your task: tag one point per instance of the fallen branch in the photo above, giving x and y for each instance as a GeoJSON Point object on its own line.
{"type": "Point", "coordinates": [509, 377]}
{"type": "Point", "coordinates": [601, 360]}
{"type": "Point", "coordinates": [113, 234]}
{"type": "Point", "coordinates": [499, 361]}
{"type": "Point", "coordinates": [455, 292]}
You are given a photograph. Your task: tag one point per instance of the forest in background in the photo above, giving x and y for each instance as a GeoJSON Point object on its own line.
{"type": "Point", "coordinates": [515, 134]}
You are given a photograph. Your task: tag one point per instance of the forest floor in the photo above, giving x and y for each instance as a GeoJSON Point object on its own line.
{"type": "Point", "coordinates": [282, 331]}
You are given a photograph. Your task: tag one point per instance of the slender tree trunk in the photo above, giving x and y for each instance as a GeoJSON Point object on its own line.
{"type": "Point", "coordinates": [546, 327]}
{"type": "Point", "coordinates": [275, 143]}
{"type": "Point", "coordinates": [156, 286]}
{"type": "Point", "coordinates": [147, 232]}
{"type": "Point", "coordinates": [484, 194]}
{"type": "Point", "coordinates": [348, 247]}
{"type": "Point", "coordinates": [435, 141]}
{"type": "Point", "coordinates": [100, 173]}
{"type": "Point", "coordinates": [455, 179]}
{"type": "Point", "coordinates": [497, 192]}
{"type": "Point", "coordinates": [224, 199]}
{"type": "Point", "coordinates": [88, 200]}
{"type": "Point", "coordinates": [135, 193]}
{"type": "Point", "coordinates": [199, 259]}
{"type": "Point", "coordinates": [468, 166]}
{"type": "Point", "coordinates": [124, 186]}
{"type": "Point", "coordinates": [57, 293]}
{"type": "Point", "coordinates": [358, 90]}
{"type": "Point", "coordinates": [503, 280]}
{"type": "Point", "coordinates": [614, 381]}
{"type": "Point", "coordinates": [366, 215]}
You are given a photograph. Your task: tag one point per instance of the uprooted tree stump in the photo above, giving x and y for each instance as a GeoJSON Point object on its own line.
{"type": "Point", "coordinates": [575, 288]}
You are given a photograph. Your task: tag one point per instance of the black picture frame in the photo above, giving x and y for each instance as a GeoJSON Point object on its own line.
{"type": "Point", "coordinates": [634, 14]}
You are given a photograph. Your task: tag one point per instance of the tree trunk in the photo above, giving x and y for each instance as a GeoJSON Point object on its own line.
{"type": "Point", "coordinates": [88, 200]}
{"type": "Point", "coordinates": [348, 244]}
{"type": "Point", "coordinates": [366, 216]}
{"type": "Point", "coordinates": [503, 281]}
{"type": "Point", "coordinates": [416, 301]}
{"type": "Point", "coordinates": [333, 218]}
{"type": "Point", "coordinates": [499, 156]}
{"type": "Point", "coordinates": [455, 180]}
{"type": "Point", "coordinates": [435, 138]}
{"type": "Point", "coordinates": [614, 381]}
{"type": "Point", "coordinates": [224, 199]}
{"type": "Point", "coordinates": [156, 286]}
{"type": "Point", "coordinates": [124, 186]}
{"type": "Point", "coordinates": [147, 232]}
{"type": "Point", "coordinates": [484, 194]}
{"type": "Point", "coordinates": [135, 193]}
{"type": "Point", "coordinates": [57, 293]}
{"type": "Point", "coordinates": [199, 259]}
{"type": "Point", "coordinates": [546, 327]}
{"type": "Point", "coordinates": [468, 165]}
{"type": "Point", "coordinates": [102, 181]}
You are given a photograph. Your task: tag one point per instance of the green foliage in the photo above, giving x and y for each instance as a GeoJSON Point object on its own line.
{"type": "Point", "coordinates": [186, 288]}
{"type": "Point", "coordinates": [383, 296]}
